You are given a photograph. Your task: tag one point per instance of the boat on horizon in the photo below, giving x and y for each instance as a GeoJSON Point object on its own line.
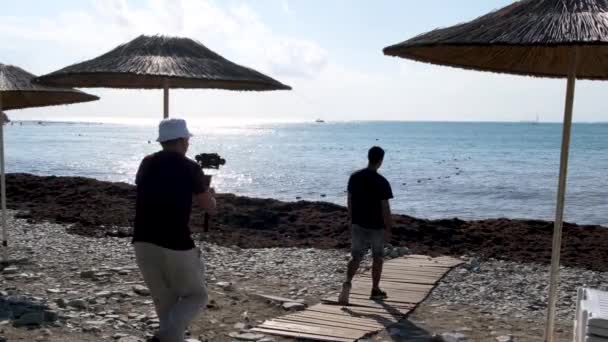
{"type": "Point", "coordinates": [320, 121]}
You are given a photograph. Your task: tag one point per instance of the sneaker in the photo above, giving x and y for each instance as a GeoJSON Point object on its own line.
{"type": "Point", "coordinates": [343, 298]}
{"type": "Point", "coordinates": [378, 294]}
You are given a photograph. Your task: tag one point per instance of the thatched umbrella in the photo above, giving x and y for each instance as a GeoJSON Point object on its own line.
{"type": "Point", "coordinates": [158, 62]}
{"type": "Point", "coordinates": [17, 92]}
{"type": "Point", "coordinates": [544, 38]}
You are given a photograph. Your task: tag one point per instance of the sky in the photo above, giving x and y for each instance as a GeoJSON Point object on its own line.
{"type": "Point", "coordinates": [329, 51]}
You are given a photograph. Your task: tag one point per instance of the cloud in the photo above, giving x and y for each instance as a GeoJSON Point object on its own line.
{"type": "Point", "coordinates": [236, 32]}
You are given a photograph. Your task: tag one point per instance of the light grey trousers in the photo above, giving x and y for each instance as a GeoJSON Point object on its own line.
{"type": "Point", "coordinates": [176, 280]}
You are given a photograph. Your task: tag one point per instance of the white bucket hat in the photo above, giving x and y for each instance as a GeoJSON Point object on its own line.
{"type": "Point", "coordinates": [171, 129]}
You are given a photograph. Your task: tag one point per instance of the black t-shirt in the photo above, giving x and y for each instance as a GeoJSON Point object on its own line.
{"type": "Point", "coordinates": [166, 182]}
{"type": "Point", "coordinates": [368, 189]}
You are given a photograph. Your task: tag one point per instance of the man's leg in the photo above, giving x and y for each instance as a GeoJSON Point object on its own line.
{"type": "Point", "coordinates": [187, 280]}
{"type": "Point", "coordinates": [377, 242]}
{"type": "Point", "coordinates": [377, 272]}
{"type": "Point", "coordinates": [358, 247]}
{"type": "Point", "coordinates": [151, 262]}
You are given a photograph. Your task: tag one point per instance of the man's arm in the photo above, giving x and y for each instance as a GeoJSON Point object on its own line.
{"type": "Point", "coordinates": [349, 205]}
{"type": "Point", "coordinates": [386, 215]}
{"type": "Point", "coordinates": [206, 201]}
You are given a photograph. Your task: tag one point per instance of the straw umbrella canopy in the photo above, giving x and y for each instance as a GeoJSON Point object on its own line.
{"type": "Point", "coordinates": [17, 92]}
{"type": "Point", "coordinates": [542, 38]}
{"type": "Point", "coordinates": [159, 62]}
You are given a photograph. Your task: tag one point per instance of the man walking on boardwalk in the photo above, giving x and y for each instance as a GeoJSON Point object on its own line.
{"type": "Point", "coordinates": [370, 218]}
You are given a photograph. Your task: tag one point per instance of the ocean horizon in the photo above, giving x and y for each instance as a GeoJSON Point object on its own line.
{"type": "Point", "coordinates": [470, 170]}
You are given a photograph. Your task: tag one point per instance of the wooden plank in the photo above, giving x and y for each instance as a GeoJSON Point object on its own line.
{"type": "Point", "coordinates": [414, 269]}
{"type": "Point", "coordinates": [403, 298]}
{"type": "Point", "coordinates": [411, 271]}
{"type": "Point", "coordinates": [424, 263]}
{"type": "Point", "coordinates": [436, 263]}
{"type": "Point", "coordinates": [392, 308]}
{"type": "Point", "coordinates": [301, 335]}
{"type": "Point", "coordinates": [426, 271]}
{"type": "Point", "coordinates": [312, 329]}
{"type": "Point", "coordinates": [404, 276]}
{"type": "Point", "coordinates": [422, 256]}
{"type": "Point", "coordinates": [338, 318]}
{"type": "Point", "coordinates": [327, 323]}
{"type": "Point", "coordinates": [392, 294]}
{"type": "Point", "coordinates": [369, 324]}
{"type": "Point", "coordinates": [353, 310]}
{"type": "Point", "coordinates": [399, 277]}
{"type": "Point", "coordinates": [407, 282]}
{"type": "Point", "coordinates": [403, 281]}
{"type": "Point", "coordinates": [393, 285]}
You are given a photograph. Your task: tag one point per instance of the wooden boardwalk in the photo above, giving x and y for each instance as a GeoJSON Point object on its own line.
{"type": "Point", "coordinates": [407, 281]}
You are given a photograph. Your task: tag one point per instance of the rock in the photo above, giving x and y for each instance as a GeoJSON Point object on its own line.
{"type": "Point", "coordinates": [240, 326]}
{"type": "Point", "coordinates": [129, 338]}
{"type": "Point", "coordinates": [53, 291]}
{"type": "Point", "coordinates": [91, 329]}
{"type": "Point", "coordinates": [141, 290]}
{"type": "Point", "coordinates": [103, 294]}
{"type": "Point", "coordinates": [464, 329]}
{"type": "Point", "coordinates": [248, 337]}
{"type": "Point", "coordinates": [279, 299]}
{"type": "Point", "coordinates": [50, 316]}
{"type": "Point", "coordinates": [504, 338]}
{"type": "Point", "coordinates": [61, 303]}
{"type": "Point", "coordinates": [212, 304]}
{"type": "Point", "coordinates": [80, 304]}
{"type": "Point", "coordinates": [294, 306]}
{"type": "Point", "coordinates": [226, 286]}
{"type": "Point", "coordinates": [453, 337]}
{"type": "Point", "coordinates": [404, 251]}
{"type": "Point", "coordinates": [10, 270]}
{"type": "Point", "coordinates": [30, 318]}
{"type": "Point", "coordinates": [474, 265]}
{"type": "Point", "coordinates": [87, 274]}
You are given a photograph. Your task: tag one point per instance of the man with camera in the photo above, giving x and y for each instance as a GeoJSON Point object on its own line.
{"type": "Point", "coordinates": [167, 183]}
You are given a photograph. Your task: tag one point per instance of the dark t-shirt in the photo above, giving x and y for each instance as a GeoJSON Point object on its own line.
{"type": "Point", "coordinates": [368, 189]}
{"type": "Point", "coordinates": [166, 182]}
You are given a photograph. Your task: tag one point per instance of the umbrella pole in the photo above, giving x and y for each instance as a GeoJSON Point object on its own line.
{"type": "Point", "coordinates": [561, 194]}
{"type": "Point", "coordinates": [166, 99]}
{"type": "Point", "coordinates": [3, 190]}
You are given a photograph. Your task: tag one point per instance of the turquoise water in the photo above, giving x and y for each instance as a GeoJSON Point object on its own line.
{"type": "Point", "coordinates": [437, 170]}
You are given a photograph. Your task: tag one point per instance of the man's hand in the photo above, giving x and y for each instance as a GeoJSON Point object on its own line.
{"type": "Point", "coordinates": [206, 201]}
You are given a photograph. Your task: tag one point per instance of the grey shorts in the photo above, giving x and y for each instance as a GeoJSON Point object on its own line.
{"type": "Point", "coordinates": [363, 238]}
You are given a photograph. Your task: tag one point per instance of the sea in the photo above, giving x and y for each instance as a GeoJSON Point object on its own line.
{"type": "Point", "coordinates": [436, 169]}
